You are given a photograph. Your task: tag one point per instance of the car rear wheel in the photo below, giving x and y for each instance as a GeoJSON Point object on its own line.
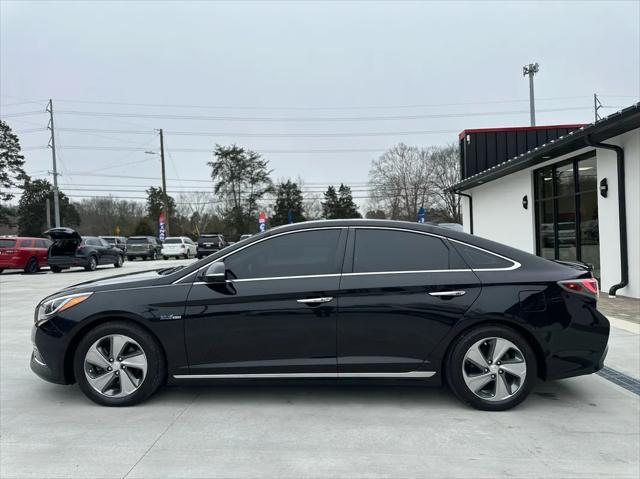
{"type": "Point", "coordinates": [154, 256]}
{"type": "Point", "coordinates": [119, 262]}
{"type": "Point", "coordinates": [165, 258]}
{"type": "Point", "coordinates": [92, 264]}
{"type": "Point", "coordinates": [187, 255]}
{"type": "Point", "coordinates": [492, 368]}
{"type": "Point", "coordinates": [119, 364]}
{"type": "Point", "coordinates": [55, 269]}
{"type": "Point", "coordinates": [32, 266]}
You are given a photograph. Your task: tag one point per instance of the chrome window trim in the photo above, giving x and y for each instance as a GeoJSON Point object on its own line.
{"type": "Point", "coordinates": [403, 375]}
{"type": "Point", "coordinates": [260, 241]}
{"type": "Point", "coordinates": [515, 264]}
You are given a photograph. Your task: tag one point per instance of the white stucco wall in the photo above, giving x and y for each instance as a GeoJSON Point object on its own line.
{"type": "Point", "coordinates": [498, 213]}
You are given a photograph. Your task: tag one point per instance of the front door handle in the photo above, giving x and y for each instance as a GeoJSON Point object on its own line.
{"type": "Point", "coordinates": [325, 299]}
{"type": "Point", "coordinates": [447, 294]}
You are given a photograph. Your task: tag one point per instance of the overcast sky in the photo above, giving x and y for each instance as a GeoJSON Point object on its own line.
{"type": "Point", "coordinates": [285, 65]}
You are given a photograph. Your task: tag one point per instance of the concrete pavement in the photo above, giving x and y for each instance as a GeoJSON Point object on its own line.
{"type": "Point", "coordinates": [580, 427]}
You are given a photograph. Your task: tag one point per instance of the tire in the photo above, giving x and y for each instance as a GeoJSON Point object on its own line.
{"type": "Point", "coordinates": [497, 391]}
{"type": "Point", "coordinates": [55, 269]}
{"type": "Point", "coordinates": [187, 255]}
{"type": "Point", "coordinates": [92, 264]}
{"type": "Point", "coordinates": [154, 256]}
{"type": "Point", "coordinates": [135, 339]}
{"type": "Point", "coordinates": [145, 258]}
{"type": "Point", "coordinates": [32, 266]}
{"type": "Point", "coordinates": [1, 270]}
{"type": "Point", "coordinates": [119, 262]}
{"type": "Point", "coordinates": [165, 258]}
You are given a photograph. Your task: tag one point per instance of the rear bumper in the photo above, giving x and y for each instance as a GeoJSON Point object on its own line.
{"type": "Point", "coordinates": [68, 261]}
{"type": "Point", "coordinates": [138, 253]}
{"type": "Point", "coordinates": [207, 251]}
{"type": "Point", "coordinates": [581, 347]}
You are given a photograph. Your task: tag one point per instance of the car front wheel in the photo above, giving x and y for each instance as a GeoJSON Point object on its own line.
{"type": "Point", "coordinates": [118, 364]}
{"type": "Point", "coordinates": [492, 368]}
{"type": "Point", "coordinates": [55, 269]}
{"type": "Point", "coordinates": [154, 256]}
{"type": "Point", "coordinates": [119, 262]}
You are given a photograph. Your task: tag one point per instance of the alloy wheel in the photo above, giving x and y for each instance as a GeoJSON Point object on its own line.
{"type": "Point", "coordinates": [494, 369]}
{"type": "Point", "coordinates": [115, 366]}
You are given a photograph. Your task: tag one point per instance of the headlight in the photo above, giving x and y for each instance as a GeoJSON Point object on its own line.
{"type": "Point", "coordinates": [49, 308]}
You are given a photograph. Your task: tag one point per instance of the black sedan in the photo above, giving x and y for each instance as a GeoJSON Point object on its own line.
{"type": "Point", "coordinates": [344, 299]}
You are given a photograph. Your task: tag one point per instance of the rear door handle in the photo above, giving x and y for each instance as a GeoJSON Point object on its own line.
{"type": "Point", "coordinates": [447, 294]}
{"type": "Point", "coordinates": [325, 299]}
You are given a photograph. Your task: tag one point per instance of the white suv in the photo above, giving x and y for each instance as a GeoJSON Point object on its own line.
{"type": "Point", "coordinates": [178, 246]}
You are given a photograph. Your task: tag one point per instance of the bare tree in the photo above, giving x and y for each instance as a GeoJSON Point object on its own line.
{"type": "Point", "coordinates": [198, 209]}
{"type": "Point", "coordinates": [446, 173]}
{"type": "Point", "coordinates": [401, 181]}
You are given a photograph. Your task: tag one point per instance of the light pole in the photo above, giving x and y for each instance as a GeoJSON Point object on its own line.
{"type": "Point", "coordinates": [531, 69]}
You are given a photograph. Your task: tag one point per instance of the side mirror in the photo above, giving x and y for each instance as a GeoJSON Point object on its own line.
{"type": "Point", "coordinates": [216, 273]}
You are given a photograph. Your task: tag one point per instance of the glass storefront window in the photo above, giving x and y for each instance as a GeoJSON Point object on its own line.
{"type": "Point", "coordinates": [566, 217]}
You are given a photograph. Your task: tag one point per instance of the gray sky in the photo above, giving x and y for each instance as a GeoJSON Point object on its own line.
{"type": "Point", "coordinates": [300, 61]}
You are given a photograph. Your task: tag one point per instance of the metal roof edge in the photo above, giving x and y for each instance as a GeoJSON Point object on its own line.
{"type": "Point", "coordinates": [520, 161]}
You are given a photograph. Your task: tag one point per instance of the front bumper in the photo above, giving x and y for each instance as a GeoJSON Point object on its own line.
{"type": "Point", "coordinates": [47, 357]}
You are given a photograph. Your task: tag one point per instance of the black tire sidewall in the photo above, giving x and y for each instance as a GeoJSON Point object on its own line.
{"type": "Point", "coordinates": [456, 355]}
{"type": "Point", "coordinates": [29, 269]}
{"type": "Point", "coordinates": [155, 362]}
{"type": "Point", "coordinates": [92, 264]}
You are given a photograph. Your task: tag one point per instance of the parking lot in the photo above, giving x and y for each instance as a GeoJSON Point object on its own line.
{"type": "Point", "coordinates": [580, 427]}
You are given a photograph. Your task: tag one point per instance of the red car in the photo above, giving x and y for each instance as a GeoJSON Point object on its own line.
{"type": "Point", "coordinates": [29, 254]}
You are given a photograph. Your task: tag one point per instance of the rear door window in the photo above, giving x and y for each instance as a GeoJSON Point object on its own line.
{"type": "Point", "coordinates": [378, 250]}
{"type": "Point", "coordinates": [25, 243]}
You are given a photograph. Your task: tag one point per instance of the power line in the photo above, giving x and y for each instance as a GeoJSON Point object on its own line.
{"type": "Point", "coordinates": [210, 150]}
{"type": "Point", "coordinates": [316, 108]}
{"type": "Point", "coordinates": [263, 135]}
{"type": "Point", "coordinates": [308, 119]}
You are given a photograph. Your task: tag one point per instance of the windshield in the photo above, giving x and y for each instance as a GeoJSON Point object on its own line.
{"type": "Point", "coordinates": [7, 243]}
{"type": "Point", "coordinates": [172, 241]}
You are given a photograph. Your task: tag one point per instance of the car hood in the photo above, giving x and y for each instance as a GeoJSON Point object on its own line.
{"type": "Point", "coordinates": [129, 280]}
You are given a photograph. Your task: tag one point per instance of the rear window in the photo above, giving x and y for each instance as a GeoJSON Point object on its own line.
{"type": "Point", "coordinates": [7, 243]}
{"type": "Point", "coordinates": [172, 241]}
{"type": "Point", "coordinates": [137, 240]}
{"type": "Point", "coordinates": [480, 259]}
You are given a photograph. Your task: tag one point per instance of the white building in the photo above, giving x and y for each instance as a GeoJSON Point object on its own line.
{"type": "Point", "coordinates": [561, 198]}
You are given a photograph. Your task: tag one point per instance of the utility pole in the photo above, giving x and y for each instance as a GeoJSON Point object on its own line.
{"type": "Point", "coordinates": [164, 186]}
{"type": "Point", "coordinates": [48, 208]}
{"type": "Point", "coordinates": [531, 69]}
{"type": "Point", "coordinates": [52, 145]}
{"type": "Point", "coordinates": [596, 106]}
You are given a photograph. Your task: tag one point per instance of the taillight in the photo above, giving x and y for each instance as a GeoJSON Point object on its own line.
{"type": "Point", "coordinates": [587, 286]}
{"type": "Point", "coordinates": [9, 251]}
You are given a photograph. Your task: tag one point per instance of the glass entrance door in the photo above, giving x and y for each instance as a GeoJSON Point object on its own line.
{"type": "Point", "coordinates": [566, 200]}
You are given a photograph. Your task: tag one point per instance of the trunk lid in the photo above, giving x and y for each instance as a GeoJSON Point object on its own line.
{"type": "Point", "coordinates": [63, 234]}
